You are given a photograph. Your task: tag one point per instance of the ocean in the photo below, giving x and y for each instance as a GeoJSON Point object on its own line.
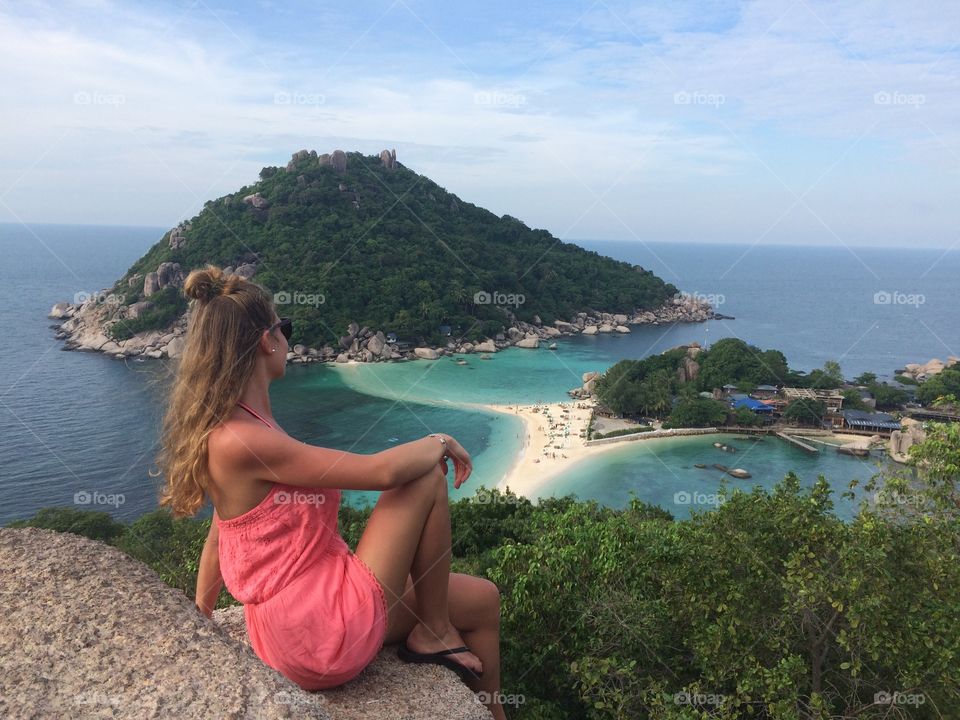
{"type": "Point", "coordinates": [81, 429]}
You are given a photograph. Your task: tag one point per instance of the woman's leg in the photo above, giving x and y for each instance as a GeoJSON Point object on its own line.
{"type": "Point", "coordinates": [409, 534]}
{"type": "Point", "coordinates": [474, 605]}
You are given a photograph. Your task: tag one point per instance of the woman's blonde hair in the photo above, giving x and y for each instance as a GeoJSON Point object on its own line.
{"type": "Point", "coordinates": [228, 316]}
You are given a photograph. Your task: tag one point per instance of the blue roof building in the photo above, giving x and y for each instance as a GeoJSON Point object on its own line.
{"type": "Point", "coordinates": [745, 401]}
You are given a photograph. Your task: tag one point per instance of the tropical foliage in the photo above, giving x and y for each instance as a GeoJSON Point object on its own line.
{"type": "Point", "coordinates": [768, 606]}
{"type": "Point", "coordinates": [393, 250]}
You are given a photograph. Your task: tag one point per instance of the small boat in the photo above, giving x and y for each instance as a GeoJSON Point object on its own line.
{"type": "Point", "coordinates": [553, 346]}
{"type": "Point", "coordinates": [718, 445]}
{"type": "Point", "coordinates": [393, 439]}
{"type": "Point", "coordinates": [739, 473]}
{"type": "Point", "coordinates": [699, 465]}
{"type": "Point", "coordinates": [485, 356]}
{"type": "Point", "coordinates": [461, 361]}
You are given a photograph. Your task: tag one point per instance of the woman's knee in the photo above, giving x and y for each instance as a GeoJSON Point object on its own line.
{"type": "Point", "coordinates": [490, 597]}
{"type": "Point", "coordinates": [435, 479]}
{"type": "Point", "coordinates": [427, 485]}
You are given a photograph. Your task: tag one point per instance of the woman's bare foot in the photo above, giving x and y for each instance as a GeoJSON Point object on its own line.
{"type": "Point", "coordinates": [424, 640]}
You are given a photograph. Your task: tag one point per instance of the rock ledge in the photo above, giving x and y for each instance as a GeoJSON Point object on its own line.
{"type": "Point", "coordinates": [87, 631]}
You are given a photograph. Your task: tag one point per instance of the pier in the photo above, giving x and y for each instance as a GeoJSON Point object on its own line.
{"type": "Point", "coordinates": [799, 443]}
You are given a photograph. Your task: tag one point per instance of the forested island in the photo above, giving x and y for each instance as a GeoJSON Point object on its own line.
{"type": "Point", "coordinates": [372, 260]}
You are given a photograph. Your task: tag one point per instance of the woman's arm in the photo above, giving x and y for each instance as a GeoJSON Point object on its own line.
{"type": "Point", "coordinates": [277, 457]}
{"type": "Point", "coordinates": [209, 579]}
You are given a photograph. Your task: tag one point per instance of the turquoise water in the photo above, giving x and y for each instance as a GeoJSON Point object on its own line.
{"type": "Point", "coordinates": [651, 470]}
{"type": "Point", "coordinates": [662, 472]}
{"type": "Point", "coordinates": [511, 376]}
{"type": "Point", "coordinates": [317, 405]}
{"type": "Point", "coordinates": [73, 422]}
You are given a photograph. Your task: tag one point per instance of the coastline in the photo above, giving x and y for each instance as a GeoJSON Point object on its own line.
{"type": "Point", "coordinates": [538, 461]}
{"type": "Point", "coordinates": [86, 325]}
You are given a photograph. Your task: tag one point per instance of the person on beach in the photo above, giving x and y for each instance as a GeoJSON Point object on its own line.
{"type": "Point", "coordinates": [315, 611]}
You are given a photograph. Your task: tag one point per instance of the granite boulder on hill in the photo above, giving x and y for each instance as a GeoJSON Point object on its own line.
{"type": "Point", "coordinates": [87, 631]}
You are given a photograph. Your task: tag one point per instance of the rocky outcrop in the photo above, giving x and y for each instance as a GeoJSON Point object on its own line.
{"type": "Point", "coordinates": [921, 372]}
{"type": "Point", "coordinates": [338, 161]}
{"type": "Point", "coordinates": [387, 688]}
{"type": "Point", "coordinates": [586, 389]}
{"type": "Point", "coordinates": [167, 273]}
{"type": "Point", "coordinates": [297, 157]}
{"type": "Point", "coordinates": [178, 236]}
{"type": "Point", "coordinates": [84, 325]}
{"type": "Point", "coordinates": [689, 368]}
{"type": "Point", "coordinates": [902, 440]}
{"type": "Point", "coordinates": [259, 205]}
{"type": "Point", "coordinates": [388, 158]}
{"type": "Point", "coordinates": [87, 631]}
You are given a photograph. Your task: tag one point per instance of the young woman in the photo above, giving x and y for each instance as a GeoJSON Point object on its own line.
{"type": "Point", "coordinates": [314, 610]}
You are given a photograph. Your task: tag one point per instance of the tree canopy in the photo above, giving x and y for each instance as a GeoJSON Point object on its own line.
{"type": "Point", "coordinates": [393, 250]}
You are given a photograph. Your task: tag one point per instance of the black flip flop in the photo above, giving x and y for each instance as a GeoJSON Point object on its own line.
{"type": "Point", "coordinates": [440, 658]}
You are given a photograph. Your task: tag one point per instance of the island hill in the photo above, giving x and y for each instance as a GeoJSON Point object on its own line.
{"type": "Point", "coordinates": [373, 261]}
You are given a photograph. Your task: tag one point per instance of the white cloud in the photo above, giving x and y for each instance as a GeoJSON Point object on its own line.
{"type": "Point", "coordinates": [132, 117]}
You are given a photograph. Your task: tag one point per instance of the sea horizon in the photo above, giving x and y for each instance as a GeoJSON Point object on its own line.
{"type": "Point", "coordinates": [70, 416]}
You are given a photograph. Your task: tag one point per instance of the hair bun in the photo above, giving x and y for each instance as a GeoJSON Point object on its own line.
{"type": "Point", "coordinates": [204, 284]}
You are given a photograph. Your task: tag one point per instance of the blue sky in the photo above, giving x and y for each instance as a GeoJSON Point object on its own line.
{"type": "Point", "coordinates": [764, 122]}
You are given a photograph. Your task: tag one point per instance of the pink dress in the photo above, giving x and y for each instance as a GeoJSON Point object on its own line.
{"type": "Point", "coordinates": [314, 611]}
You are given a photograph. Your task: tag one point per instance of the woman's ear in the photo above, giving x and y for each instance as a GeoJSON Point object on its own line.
{"type": "Point", "coordinates": [267, 342]}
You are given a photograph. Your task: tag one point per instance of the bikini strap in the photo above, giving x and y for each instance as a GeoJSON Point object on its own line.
{"type": "Point", "coordinates": [253, 412]}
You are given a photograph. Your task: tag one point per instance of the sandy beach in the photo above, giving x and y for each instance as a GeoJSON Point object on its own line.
{"type": "Point", "coordinates": [551, 444]}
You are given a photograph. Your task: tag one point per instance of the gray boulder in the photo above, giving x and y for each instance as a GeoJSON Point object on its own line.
{"type": "Point", "coordinates": [338, 159]}
{"type": "Point", "coordinates": [150, 284]}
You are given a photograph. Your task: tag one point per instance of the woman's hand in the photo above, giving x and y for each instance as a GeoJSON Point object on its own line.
{"type": "Point", "coordinates": [462, 464]}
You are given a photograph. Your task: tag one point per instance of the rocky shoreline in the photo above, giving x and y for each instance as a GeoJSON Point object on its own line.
{"type": "Point", "coordinates": [85, 326]}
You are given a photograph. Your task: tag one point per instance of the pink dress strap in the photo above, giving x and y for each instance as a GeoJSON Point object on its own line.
{"type": "Point", "coordinates": [253, 412]}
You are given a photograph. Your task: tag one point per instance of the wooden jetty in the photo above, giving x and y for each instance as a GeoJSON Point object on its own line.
{"type": "Point", "coordinates": [798, 443]}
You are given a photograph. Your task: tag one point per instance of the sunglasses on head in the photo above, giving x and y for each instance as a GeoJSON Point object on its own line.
{"type": "Point", "coordinates": [285, 325]}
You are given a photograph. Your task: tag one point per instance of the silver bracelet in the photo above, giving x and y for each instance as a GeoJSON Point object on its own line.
{"type": "Point", "coordinates": [442, 440]}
